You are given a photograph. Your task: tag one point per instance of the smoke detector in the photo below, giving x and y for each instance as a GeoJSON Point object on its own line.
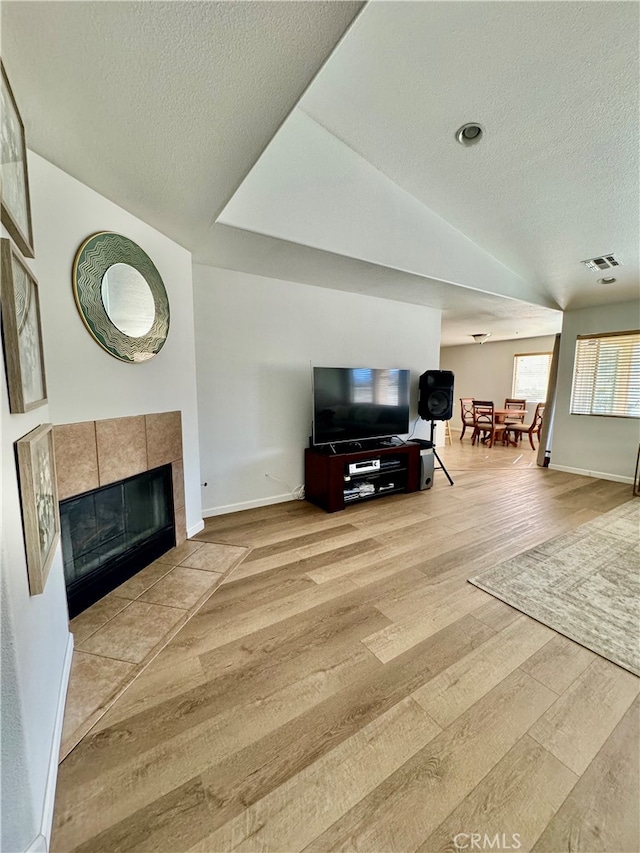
{"type": "Point", "coordinates": [604, 262]}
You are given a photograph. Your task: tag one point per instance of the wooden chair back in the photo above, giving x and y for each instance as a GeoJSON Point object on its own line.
{"type": "Point", "coordinates": [466, 409]}
{"type": "Point", "coordinates": [466, 414]}
{"type": "Point", "coordinates": [538, 417]}
{"type": "Point", "coordinates": [516, 405]}
{"type": "Point", "coordinates": [534, 428]}
{"type": "Point", "coordinates": [483, 414]}
{"type": "Point", "coordinates": [485, 427]}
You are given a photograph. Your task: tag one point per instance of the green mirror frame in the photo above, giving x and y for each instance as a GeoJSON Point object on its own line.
{"type": "Point", "coordinates": [93, 259]}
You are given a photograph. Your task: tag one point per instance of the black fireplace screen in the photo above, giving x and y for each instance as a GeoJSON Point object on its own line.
{"type": "Point", "coordinates": [111, 533]}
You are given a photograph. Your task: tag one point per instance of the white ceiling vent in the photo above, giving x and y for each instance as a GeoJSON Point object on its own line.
{"type": "Point", "coordinates": [605, 262]}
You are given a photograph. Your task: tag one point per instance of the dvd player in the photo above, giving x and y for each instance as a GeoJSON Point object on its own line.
{"type": "Point", "coordinates": [365, 466]}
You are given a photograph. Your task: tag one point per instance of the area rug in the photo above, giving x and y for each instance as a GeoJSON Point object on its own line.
{"type": "Point", "coordinates": [584, 584]}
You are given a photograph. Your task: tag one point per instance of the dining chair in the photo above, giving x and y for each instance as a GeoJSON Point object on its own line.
{"type": "Point", "coordinates": [519, 411]}
{"type": "Point", "coordinates": [531, 429]}
{"type": "Point", "coordinates": [517, 406]}
{"type": "Point", "coordinates": [466, 413]}
{"type": "Point", "coordinates": [485, 427]}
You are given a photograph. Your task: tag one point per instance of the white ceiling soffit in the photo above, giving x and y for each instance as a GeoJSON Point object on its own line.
{"type": "Point", "coordinates": [163, 107]}
{"type": "Point", "coordinates": [312, 189]}
{"type": "Point", "coordinates": [555, 86]}
{"type": "Point", "coordinates": [556, 175]}
{"type": "Point", "coordinates": [462, 308]}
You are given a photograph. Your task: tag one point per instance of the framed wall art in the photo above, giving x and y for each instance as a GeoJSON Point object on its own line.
{"type": "Point", "coordinates": [39, 500]}
{"type": "Point", "coordinates": [16, 205]}
{"type": "Point", "coordinates": [21, 332]}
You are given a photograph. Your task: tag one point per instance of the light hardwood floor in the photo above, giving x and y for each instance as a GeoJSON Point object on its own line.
{"type": "Point", "coordinates": [346, 689]}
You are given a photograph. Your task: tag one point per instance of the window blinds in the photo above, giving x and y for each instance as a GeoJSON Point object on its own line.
{"type": "Point", "coordinates": [531, 376]}
{"type": "Point", "coordinates": [606, 375]}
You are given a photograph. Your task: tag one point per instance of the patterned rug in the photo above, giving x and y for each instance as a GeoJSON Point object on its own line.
{"type": "Point", "coordinates": [584, 584]}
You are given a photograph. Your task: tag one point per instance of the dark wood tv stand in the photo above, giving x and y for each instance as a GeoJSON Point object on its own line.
{"type": "Point", "coordinates": [330, 485]}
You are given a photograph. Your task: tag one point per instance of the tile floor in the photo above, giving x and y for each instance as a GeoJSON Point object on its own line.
{"type": "Point", "coordinates": [119, 635]}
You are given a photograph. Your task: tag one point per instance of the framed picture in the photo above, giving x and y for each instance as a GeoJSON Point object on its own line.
{"type": "Point", "coordinates": [21, 332]}
{"type": "Point", "coordinates": [16, 206]}
{"type": "Point", "coordinates": [39, 499]}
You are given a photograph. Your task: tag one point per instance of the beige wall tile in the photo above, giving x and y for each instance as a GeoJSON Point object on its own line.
{"type": "Point", "coordinates": [164, 438]}
{"type": "Point", "coordinates": [76, 458]}
{"type": "Point", "coordinates": [122, 448]}
{"type": "Point", "coordinates": [181, 525]}
{"type": "Point", "coordinates": [177, 470]}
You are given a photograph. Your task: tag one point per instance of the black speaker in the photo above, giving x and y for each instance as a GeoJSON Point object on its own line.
{"type": "Point", "coordinates": [436, 395]}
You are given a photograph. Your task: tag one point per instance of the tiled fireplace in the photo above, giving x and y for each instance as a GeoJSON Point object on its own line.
{"type": "Point", "coordinates": [143, 456]}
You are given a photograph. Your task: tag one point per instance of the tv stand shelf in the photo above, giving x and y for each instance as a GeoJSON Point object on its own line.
{"type": "Point", "coordinates": [329, 484]}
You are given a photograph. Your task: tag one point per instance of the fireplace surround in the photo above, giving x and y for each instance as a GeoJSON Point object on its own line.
{"type": "Point", "coordinates": [93, 454]}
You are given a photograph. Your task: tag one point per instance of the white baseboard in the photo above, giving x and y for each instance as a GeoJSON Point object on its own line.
{"type": "Point", "coordinates": [599, 475]}
{"type": "Point", "coordinates": [191, 531]}
{"type": "Point", "coordinates": [38, 845]}
{"type": "Point", "coordinates": [42, 843]}
{"type": "Point", "coordinates": [223, 510]}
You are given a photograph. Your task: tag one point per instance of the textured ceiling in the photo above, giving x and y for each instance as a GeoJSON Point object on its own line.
{"type": "Point", "coordinates": [165, 107]}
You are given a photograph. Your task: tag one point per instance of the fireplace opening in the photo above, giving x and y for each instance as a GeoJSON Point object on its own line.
{"type": "Point", "coordinates": [113, 532]}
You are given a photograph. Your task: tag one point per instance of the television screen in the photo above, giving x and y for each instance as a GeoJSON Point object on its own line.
{"type": "Point", "coordinates": [359, 403]}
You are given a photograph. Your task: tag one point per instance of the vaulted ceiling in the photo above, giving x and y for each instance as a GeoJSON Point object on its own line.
{"type": "Point", "coordinates": [315, 141]}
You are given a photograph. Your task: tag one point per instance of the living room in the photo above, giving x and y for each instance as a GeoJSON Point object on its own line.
{"type": "Point", "coordinates": [348, 268]}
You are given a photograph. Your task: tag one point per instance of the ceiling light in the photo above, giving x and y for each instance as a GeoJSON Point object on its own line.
{"type": "Point", "coordinates": [481, 337]}
{"type": "Point", "coordinates": [609, 280]}
{"type": "Point", "coordinates": [469, 133]}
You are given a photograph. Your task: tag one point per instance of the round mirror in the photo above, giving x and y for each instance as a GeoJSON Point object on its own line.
{"type": "Point", "coordinates": [128, 300]}
{"type": "Point", "coordinates": [121, 297]}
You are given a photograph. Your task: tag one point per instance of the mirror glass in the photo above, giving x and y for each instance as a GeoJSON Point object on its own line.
{"type": "Point", "coordinates": [128, 300]}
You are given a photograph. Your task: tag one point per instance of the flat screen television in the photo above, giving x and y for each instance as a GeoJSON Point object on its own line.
{"type": "Point", "coordinates": [352, 404]}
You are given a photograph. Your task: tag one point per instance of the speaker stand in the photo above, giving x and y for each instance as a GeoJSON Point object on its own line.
{"type": "Point", "coordinates": [435, 453]}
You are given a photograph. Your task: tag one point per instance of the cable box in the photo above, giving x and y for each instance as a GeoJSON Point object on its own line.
{"type": "Point", "coordinates": [365, 466]}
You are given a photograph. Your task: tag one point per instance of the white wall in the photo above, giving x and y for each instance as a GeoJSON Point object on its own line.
{"type": "Point", "coordinates": [36, 648]}
{"type": "Point", "coordinates": [599, 446]}
{"type": "Point", "coordinates": [256, 339]}
{"type": "Point", "coordinates": [84, 383]}
{"type": "Point", "coordinates": [485, 371]}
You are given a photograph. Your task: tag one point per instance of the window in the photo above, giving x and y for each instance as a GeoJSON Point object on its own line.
{"type": "Point", "coordinates": [531, 376]}
{"type": "Point", "coordinates": [606, 375]}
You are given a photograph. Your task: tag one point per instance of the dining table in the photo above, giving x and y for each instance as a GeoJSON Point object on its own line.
{"type": "Point", "coordinates": [502, 414]}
